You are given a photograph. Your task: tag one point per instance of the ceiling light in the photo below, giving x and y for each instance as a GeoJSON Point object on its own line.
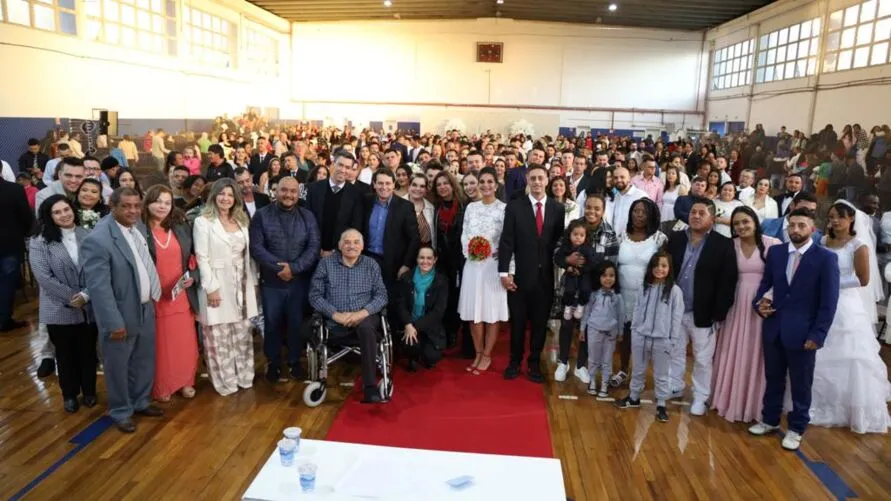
{"type": "Point", "coordinates": [612, 7]}
{"type": "Point", "coordinates": [499, 2]}
{"type": "Point", "coordinates": [388, 3]}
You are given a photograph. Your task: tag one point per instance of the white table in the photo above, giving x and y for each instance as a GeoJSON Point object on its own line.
{"type": "Point", "coordinates": [421, 473]}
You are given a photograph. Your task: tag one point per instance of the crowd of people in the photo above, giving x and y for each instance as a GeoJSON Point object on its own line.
{"type": "Point", "coordinates": [640, 246]}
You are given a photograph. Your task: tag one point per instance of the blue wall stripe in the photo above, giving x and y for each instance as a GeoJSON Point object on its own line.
{"type": "Point", "coordinates": [81, 440]}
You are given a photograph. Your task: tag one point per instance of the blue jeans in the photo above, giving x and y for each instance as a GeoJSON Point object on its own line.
{"type": "Point", "coordinates": [10, 274]}
{"type": "Point", "coordinates": [283, 311]}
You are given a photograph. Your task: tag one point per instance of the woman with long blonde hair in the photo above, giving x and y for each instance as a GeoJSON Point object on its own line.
{"type": "Point", "coordinates": [227, 300]}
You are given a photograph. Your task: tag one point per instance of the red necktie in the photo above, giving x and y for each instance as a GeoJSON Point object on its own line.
{"type": "Point", "coordinates": [539, 218]}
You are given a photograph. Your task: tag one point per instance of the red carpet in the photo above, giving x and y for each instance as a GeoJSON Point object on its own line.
{"type": "Point", "coordinates": [450, 409]}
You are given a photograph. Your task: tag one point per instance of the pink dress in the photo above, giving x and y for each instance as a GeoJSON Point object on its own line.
{"type": "Point", "coordinates": [176, 341]}
{"type": "Point", "coordinates": [738, 375]}
{"type": "Point", "coordinates": [194, 165]}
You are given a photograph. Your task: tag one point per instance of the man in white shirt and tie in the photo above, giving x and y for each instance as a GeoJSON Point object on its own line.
{"type": "Point", "coordinates": [124, 284]}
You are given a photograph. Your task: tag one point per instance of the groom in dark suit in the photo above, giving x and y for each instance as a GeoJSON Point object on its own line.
{"type": "Point", "coordinates": [797, 299]}
{"type": "Point", "coordinates": [532, 226]}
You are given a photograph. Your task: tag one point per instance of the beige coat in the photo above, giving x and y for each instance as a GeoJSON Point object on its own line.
{"type": "Point", "coordinates": [214, 254]}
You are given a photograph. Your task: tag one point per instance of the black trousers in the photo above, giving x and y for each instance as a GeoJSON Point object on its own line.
{"type": "Point", "coordinates": [369, 332]}
{"type": "Point", "coordinates": [576, 290]}
{"type": "Point", "coordinates": [76, 358]}
{"type": "Point", "coordinates": [567, 332]}
{"type": "Point", "coordinates": [427, 349]}
{"type": "Point", "coordinates": [529, 307]}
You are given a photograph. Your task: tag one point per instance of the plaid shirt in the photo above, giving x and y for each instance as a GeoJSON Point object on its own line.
{"type": "Point", "coordinates": [603, 239]}
{"type": "Point", "coordinates": [337, 288]}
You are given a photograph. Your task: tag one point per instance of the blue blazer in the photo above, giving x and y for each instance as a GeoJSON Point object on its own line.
{"type": "Point", "coordinates": [774, 228]}
{"type": "Point", "coordinates": [806, 307]}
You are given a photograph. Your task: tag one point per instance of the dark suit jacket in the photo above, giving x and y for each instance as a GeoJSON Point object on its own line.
{"type": "Point", "coordinates": [256, 167]}
{"type": "Point", "coordinates": [806, 307]}
{"type": "Point", "coordinates": [401, 236]}
{"type": "Point", "coordinates": [714, 279]}
{"type": "Point", "coordinates": [779, 200]}
{"type": "Point", "coordinates": [349, 214]}
{"type": "Point", "coordinates": [183, 234]}
{"type": "Point", "coordinates": [18, 219]}
{"type": "Point", "coordinates": [260, 200]}
{"type": "Point", "coordinates": [534, 255]}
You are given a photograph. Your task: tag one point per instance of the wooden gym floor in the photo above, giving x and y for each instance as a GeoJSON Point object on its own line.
{"type": "Point", "coordinates": [211, 447]}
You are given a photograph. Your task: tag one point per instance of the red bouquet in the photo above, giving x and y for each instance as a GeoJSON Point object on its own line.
{"type": "Point", "coordinates": [479, 249]}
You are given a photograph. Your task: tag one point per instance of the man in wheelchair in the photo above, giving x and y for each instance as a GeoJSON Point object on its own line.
{"type": "Point", "coordinates": [348, 291]}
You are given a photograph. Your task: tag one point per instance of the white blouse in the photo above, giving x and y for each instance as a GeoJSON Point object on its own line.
{"type": "Point", "coordinates": [69, 240]}
{"type": "Point", "coordinates": [632, 263]}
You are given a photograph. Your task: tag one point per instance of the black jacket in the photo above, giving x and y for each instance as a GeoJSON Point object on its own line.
{"type": "Point", "coordinates": [256, 167]}
{"type": "Point", "coordinates": [435, 301]}
{"type": "Point", "coordinates": [26, 161]}
{"type": "Point", "coordinates": [519, 240]}
{"type": "Point", "coordinates": [349, 213]}
{"type": "Point", "coordinates": [183, 234]}
{"type": "Point", "coordinates": [714, 279]}
{"type": "Point", "coordinates": [260, 200]}
{"type": "Point", "coordinates": [401, 237]}
{"type": "Point", "coordinates": [448, 243]}
{"type": "Point", "coordinates": [18, 219]}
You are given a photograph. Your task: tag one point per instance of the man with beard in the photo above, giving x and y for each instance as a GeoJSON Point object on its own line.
{"type": "Point", "coordinates": [626, 195]}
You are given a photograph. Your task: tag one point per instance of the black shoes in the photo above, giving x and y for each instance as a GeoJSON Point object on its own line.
{"type": "Point", "coordinates": [89, 402]}
{"type": "Point", "coordinates": [71, 406]}
{"type": "Point", "coordinates": [272, 374]}
{"type": "Point", "coordinates": [411, 367]}
{"type": "Point", "coordinates": [372, 396]}
{"type": "Point", "coordinates": [126, 425]}
{"type": "Point", "coordinates": [297, 373]}
{"type": "Point", "coordinates": [47, 367]}
{"type": "Point", "coordinates": [512, 371]}
{"type": "Point", "coordinates": [151, 411]}
{"type": "Point", "coordinates": [12, 325]}
{"type": "Point", "coordinates": [661, 414]}
{"type": "Point", "coordinates": [534, 374]}
{"type": "Point", "coordinates": [627, 403]}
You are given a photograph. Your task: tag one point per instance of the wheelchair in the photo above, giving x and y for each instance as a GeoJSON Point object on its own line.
{"type": "Point", "coordinates": [323, 350]}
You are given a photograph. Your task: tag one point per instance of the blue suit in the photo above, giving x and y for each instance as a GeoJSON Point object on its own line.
{"type": "Point", "coordinates": [804, 312]}
{"type": "Point", "coordinates": [774, 228]}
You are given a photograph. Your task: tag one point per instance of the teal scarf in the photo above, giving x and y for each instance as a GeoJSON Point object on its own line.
{"type": "Point", "coordinates": [422, 282]}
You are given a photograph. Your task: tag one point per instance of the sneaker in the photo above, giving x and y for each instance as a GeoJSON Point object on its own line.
{"type": "Point", "coordinates": [602, 393]}
{"type": "Point", "coordinates": [628, 402]}
{"type": "Point", "coordinates": [792, 441]}
{"type": "Point", "coordinates": [592, 390]}
{"type": "Point", "coordinates": [560, 373]}
{"type": "Point", "coordinates": [618, 379]}
{"type": "Point", "coordinates": [578, 312]}
{"type": "Point", "coordinates": [582, 374]}
{"type": "Point", "coordinates": [567, 313]}
{"type": "Point", "coordinates": [760, 429]}
{"type": "Point", "coordinates": [661, 414]}
{"type": "Point", "coordinates": [698, 408]}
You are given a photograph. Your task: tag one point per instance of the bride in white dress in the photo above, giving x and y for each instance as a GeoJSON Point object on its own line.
{"type": "Point", "coordinates": [851, 385]}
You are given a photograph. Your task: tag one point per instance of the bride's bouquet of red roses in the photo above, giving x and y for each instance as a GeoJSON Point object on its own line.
{"type": "Point", "coordinates": [479, 249]}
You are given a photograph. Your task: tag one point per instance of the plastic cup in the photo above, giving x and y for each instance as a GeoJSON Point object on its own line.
{"type": "Point", "coordinates": [307, 476]}
{"type": "Point", "coordinates": [287, 449]}
{"type": "Point", "coordinates": [293, 433]}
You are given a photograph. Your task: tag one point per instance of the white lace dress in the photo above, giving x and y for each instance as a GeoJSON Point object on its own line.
{"type": "Point", "coordinates": [851, 385]}
{"type": "Point", "coordinates": [482, 297]}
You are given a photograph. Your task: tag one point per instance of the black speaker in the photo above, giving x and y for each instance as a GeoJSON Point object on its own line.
{"type": "Point", "coordinates": [108, 123]}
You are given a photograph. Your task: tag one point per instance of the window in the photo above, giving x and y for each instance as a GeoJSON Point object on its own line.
{"type": "Point", "coordinates": [858, 36]}
{"type": "Point", "coordinates": [260, 49]}
{"type": "Point", "coordinates": [789, 53]}
{"type": "Point", "coordinates": [147, 25]}
{"type": "Point", "coordinates": [733, 65]}
{"type": "Point", "coordinates": [50, 15]}
{"type": "Point", "coordinates": [209, 39]}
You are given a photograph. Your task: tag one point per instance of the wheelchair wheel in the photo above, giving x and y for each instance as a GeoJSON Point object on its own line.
{"type": "Point", "coordinates": [314, 394]}
{"type": "Point", "coordinates": [385, 388]}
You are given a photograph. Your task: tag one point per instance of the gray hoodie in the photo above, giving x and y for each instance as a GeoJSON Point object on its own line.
{"type": "Point", "coordinates": [605, 312]}
{"type": "Point", "coordinates": [656, 317]}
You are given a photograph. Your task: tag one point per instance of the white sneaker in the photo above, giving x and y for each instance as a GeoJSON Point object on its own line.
{"type": "Point", "coordinates": [560, 373]}
{"type": "Point", "coordinates": [579, 311]}
{"type": "Point", "coordinates": [582, 374]}
{"type": "Point", "coordinates": [567, 313]}
{"type": "Point", "coordinates": [792, 441]}
{"type": "Point", "coordinates": [760, 429]}
{"type": "Point", "coordinates": [698, 408]}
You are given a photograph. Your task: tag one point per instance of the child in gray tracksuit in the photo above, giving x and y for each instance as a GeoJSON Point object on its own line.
{"type": "Point", "coordinates": [655, 327]}
{"type": "Point", "coordinates": [602, 325]}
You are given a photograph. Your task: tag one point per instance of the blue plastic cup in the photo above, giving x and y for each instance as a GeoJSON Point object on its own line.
{"type": "Point", "coordinates": [307, 477]}
{"type": "Point", "coordinates": [287, 449]}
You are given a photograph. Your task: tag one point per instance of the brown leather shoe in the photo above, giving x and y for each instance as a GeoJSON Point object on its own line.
{"type": "Point", "coordinates": [126, 425]}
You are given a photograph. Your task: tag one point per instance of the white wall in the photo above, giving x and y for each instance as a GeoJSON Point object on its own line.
{"type": "Point", "coordinates": [553, 74]}
{"type": "Point", "coordinates": [72, 75]}
{"type": "Point", "coordinates": [807, 104]}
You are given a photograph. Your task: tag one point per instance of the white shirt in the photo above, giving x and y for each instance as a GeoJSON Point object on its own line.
{"type": "Point", "coordinates": [69, 240]}
{"type": "Point", "coordinates": [543, 203]}
{"type": "Point", "coordinates": [365, 176]}
{"type": "Point", "coordinates": [145, 285]}
{"type": "Point", "coordinates": [746, 193]}
{"type": "Point", "coordinates": [332, 184]}
{"type": "Point", "coordinates": [623, 203]}
{"type": "Point", "coordinates": [786, 202]}
{"type": "Point", "coordinates": [800, 251]}
{"type": "Point", "coordinates": [251, 208]}
{"type": "Point", "coordinates": [6, 172]}
{"type": "Point", "coordinates": [50, 170]}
